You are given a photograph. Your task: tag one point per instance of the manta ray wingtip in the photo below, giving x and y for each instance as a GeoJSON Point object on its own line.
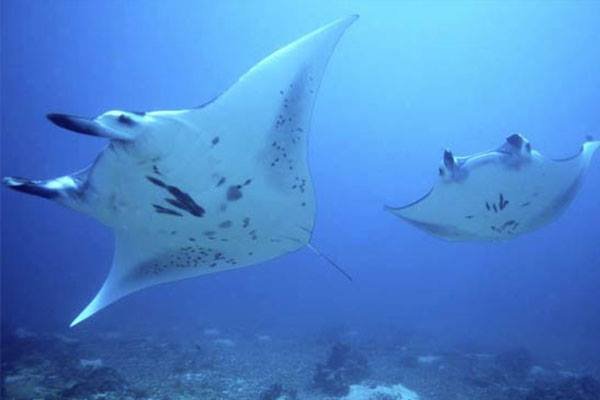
{"type": "Point", "coordinates": [348, 18]}
{"type": "Point", "coordinates": [103, 298]}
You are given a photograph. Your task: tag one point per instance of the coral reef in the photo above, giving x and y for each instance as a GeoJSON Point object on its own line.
{"type": "Point", "coordinates": [515, 363]}
{"type": "Point", "coordinates": [344, 367]}
{"type": "Point", "coordinates": [277, 392]}
{"type": "Point", "coordinates": [584, 388]}
{"type": "Point", "coordinates": [99, 380]}
{"type": "Point", "coordinates": [395, 392]}
{"type": "Point", "coordinates": [508, 368]}
{"type": "Point", "coordinates": [48, 367]}
{"type": "Point", "coordinates": [184, 365]}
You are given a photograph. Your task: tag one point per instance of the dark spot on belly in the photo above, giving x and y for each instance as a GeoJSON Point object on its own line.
{"type": "Point", "coordinates": [234, 193]}
{"type": "Point", "coordinates": [225, 224]}
{"type": "Point", "coordinates": [221, 181]}
{"type": "Point", "coordinates": [181, 200]}
{"type": "Point", "coordinates": [215, 140]}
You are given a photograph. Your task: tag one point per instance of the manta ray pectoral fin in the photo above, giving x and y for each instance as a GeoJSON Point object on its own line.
{"type": "Point", "coordinates": [103, 298]}
{"type": "Point", "coordinates": [123, 278]}
{"type": "Point", "coordinates": [283, 87]}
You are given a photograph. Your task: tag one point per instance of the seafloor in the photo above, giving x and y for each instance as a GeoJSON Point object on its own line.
{"type": "Point", "coordinates": [217, 364]}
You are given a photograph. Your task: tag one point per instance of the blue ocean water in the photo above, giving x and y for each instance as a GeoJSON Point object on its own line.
{"type": "Point", "coordinates": [406, 81]}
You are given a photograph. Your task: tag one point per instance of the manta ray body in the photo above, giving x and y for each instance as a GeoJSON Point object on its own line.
{"type": "Point", "coordinates": [202, 190]}
{"type": "Point", "coordinates": [498, 194]}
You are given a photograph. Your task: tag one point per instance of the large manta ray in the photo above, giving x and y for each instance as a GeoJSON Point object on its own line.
{"type": "Point", "coordinates": [498, 194]}
{"type": "Point", "coordinates": [195, 191]}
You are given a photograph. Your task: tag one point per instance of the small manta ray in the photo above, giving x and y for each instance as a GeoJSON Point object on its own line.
{"type": "Point", "coordinates": [195, 191]}
{"type": "Point", "coordinates": [498, 194]}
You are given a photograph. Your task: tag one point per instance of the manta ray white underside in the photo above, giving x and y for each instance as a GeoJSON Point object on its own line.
{"type": "Point", "coordinates": [203, 190]}
{"type": "Point", "coordinates": [498, 194]}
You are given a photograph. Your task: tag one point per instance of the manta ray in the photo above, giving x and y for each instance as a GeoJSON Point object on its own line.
{"type": "Point", "coordinates": [207, 189]}
{"type": "Point", "coordinates": [498, 194]}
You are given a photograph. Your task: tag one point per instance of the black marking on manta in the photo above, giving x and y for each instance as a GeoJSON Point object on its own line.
{"type": "Point", "coordinates": [225, 224]}
{"type": "Point", "coordinates": [182, 200]}
{"type": "Point", "coordinates": [234, 193]}
{"type": "Point", "coordinates": [156, 181]}
{"type": "Point", "coordinates": [503, 202]}
{"type": "Point", "coordinates": [164, 210]}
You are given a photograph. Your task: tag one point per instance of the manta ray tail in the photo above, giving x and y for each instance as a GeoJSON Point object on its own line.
{"type": "Point", "coordinates": [330, 261]}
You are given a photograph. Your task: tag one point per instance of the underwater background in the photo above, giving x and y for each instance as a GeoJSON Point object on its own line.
{"type": "Point", "coordinates": [406, 81]}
